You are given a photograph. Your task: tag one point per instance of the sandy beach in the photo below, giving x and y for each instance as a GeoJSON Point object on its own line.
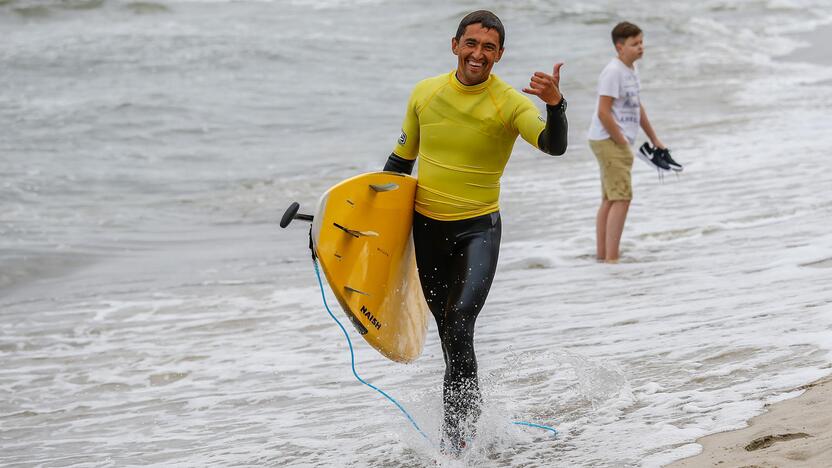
{"type": "Point", "coordinates": [792, 433]}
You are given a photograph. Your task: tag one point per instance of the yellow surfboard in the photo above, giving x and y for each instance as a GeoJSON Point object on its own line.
{"type": "Point", "coordinates": [362, 237]}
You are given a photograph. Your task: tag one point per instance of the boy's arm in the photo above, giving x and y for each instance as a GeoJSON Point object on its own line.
{"type": "Point", "coordinates": [608, 121]}
{"type": "Point", "coordinates": [648, 129]}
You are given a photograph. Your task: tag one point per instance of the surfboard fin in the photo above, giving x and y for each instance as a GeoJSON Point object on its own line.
{"type": "Point", "coordinates": [368, 233]}
{"type": "Point", "coordinates": [349, 289]}
{"type": "Point", "coordinates": [384, 188]}
{"type": "Point", "coordinates": [356, 233]}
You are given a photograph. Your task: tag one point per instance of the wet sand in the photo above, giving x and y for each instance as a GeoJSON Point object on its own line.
{"type": "Point", "coordinates": [792, 433]}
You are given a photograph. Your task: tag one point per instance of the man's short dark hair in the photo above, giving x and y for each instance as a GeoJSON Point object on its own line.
{"type": "Point", "coordinates": [623, 30]}
{"type": "Point", "coordinates": [485, 18]}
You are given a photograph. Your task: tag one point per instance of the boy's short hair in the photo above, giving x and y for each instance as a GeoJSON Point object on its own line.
{"type": "Point", "coordinates": [485, 18]}
{"type": "Point", "coordinates": [623, 30]}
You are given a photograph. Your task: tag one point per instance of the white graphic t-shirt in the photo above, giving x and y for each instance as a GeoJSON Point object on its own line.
{"type": "Point", "coordinates": [621, 83]}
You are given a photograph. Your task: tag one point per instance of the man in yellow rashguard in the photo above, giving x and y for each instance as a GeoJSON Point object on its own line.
{"type": "Point", "coordinates": [462, 126]}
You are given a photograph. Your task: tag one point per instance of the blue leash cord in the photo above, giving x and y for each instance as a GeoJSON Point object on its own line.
{"type": "Point", "coordinates": [352, 359]}
{"type": "Point", "coordinates": [539, 426]}
{"type": "Point", "coordinates": [382, 392]}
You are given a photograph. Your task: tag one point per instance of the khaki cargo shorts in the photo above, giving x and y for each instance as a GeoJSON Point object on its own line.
{"type": "Point", "coordinates": [616, 163]}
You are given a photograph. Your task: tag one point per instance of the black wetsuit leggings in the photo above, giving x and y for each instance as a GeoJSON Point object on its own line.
{"type": "Point", "coordinates": [456, 261]}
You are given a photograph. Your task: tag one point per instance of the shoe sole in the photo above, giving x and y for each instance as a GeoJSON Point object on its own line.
{"type": "Point", "coordinates": [676, 167]}
{"type": "Point", "coordinates": [646, 159]}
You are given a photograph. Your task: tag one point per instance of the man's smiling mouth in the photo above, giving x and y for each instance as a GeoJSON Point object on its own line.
{"type": "Point", "coordinates": [475, 65]}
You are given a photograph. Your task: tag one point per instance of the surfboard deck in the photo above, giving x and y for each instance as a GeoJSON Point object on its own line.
{"type": "Point", "coordinates": [362, 236]}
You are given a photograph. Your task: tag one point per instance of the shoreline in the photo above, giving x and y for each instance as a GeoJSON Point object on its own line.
{"type": "Point", "coordinates": [793, 432]}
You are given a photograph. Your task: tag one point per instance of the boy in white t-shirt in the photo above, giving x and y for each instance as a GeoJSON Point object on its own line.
{"type": "Point", "coordinates": [614, 127]}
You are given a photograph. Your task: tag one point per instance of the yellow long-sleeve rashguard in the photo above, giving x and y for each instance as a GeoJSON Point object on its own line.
{"type": "Point", "coordinates": [463, 136]}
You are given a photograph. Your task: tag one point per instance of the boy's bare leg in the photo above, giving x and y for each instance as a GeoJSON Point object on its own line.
{"type": "Point", "coordinates": [615, 226]}
{"type": "Point", "coordinates": [601, 230]}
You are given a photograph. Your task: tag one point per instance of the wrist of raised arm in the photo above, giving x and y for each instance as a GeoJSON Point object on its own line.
{"type": "Point", "coordinates": [559, 106]}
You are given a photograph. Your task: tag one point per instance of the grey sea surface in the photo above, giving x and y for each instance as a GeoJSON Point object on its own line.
{"type": "Point", "coordinates": [153, 313]}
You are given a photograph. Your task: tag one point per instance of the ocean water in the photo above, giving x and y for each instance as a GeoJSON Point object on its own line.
{"type": "Point", "coordinates": [152, 312]}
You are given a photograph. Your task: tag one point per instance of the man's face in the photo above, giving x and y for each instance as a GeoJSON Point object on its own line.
{"type": "Point", "coordinates": [477, 51]}
{"type": "Point", "coordinates": [631, 49]}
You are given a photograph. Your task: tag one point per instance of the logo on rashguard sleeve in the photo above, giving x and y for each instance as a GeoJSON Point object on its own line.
{"type": "Point", "coordinates": [403, 138]}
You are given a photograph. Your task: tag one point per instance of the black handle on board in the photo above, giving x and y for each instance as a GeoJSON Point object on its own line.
{"type": "Point", "coordinates": [292, 213]}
